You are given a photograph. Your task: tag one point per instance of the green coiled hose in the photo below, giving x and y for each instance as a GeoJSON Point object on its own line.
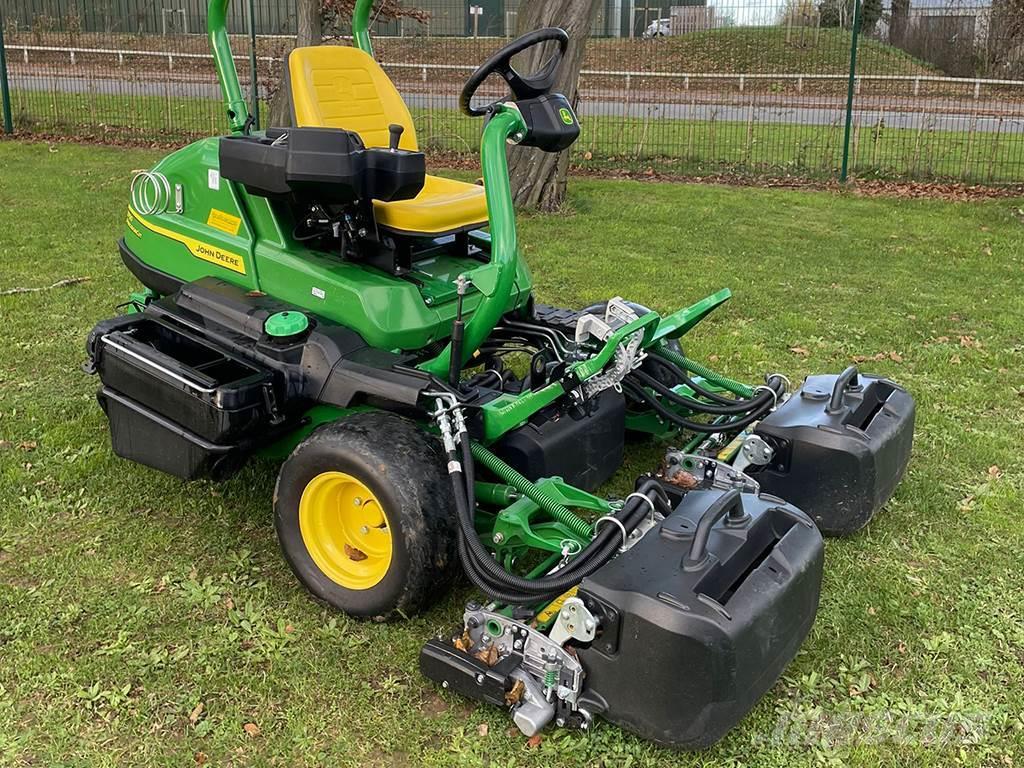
{"type": "Point", "coordinates": [737, 388]}
{"type": "Point", "coordinates": [532, 491]}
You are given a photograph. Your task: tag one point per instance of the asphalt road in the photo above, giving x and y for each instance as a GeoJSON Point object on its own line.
{"type": "Point", "coordinates": [928, 115]}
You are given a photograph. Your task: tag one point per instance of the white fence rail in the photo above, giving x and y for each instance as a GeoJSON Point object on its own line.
{"type": "Point", "coordinates": [686, 77]}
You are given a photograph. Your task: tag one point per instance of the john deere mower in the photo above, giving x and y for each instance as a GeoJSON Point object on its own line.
{"type": "Point", "coordinates": [311, 293]}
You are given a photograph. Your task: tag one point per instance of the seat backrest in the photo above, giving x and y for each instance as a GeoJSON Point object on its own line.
{"type": "Point", "coordinates": [335, 86]}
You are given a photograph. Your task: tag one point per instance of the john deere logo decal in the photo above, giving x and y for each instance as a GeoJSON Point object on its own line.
{"type": "Point", "coordinates": [199, 249]}
{"type": "Point", "coordinates": [566, 115]}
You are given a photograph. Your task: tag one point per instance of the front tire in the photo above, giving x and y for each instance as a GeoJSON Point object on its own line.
{"type": "Point", "coordinates": [364, 513]}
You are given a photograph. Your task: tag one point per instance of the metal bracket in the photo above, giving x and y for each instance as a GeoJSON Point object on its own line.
{"type": "Point", "coordinates": [754, 452]}
{"type": "Point", "coordinates": [574, 622]}
{"type": "Point", "coordinates": [706, 473]}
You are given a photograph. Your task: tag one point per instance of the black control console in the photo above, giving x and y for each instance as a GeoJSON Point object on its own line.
{"type": "Point", "coordinates": [328, 165]}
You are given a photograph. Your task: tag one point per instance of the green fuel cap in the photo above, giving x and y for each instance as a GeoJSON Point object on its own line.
{"type": "Point", "coordinates": [281, 325]}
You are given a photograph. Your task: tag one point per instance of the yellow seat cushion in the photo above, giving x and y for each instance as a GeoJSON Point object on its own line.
{"type": "Point", "coordinates": [336, 86]}
{"type": "Point", "coordinates": [442, 206]}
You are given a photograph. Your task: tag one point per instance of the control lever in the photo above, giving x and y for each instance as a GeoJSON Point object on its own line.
{"type": "Point", "coordinates": [396, 132]}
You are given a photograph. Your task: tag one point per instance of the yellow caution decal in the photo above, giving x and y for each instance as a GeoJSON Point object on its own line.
{"type": "Point", "coordinates": [197, 248]}
{"type": "Point", "coordinates": [730, 450]}
{"type": "Point", "coordinates": [554, 607]}
{"type": "Point", "coordinates": [224, 221]}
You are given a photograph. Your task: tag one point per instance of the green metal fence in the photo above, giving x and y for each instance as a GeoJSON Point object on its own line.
{"type": "Point", "coordinates": [927, 89]}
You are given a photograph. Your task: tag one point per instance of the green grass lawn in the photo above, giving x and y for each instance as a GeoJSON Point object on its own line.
{"type": "Point", "coordinates": [145, 621]}
{"type": "Point", "coordinates": [682, 147]}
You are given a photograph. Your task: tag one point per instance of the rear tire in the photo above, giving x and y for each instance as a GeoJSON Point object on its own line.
{"type": "Point", "coordinates": [364, 513]}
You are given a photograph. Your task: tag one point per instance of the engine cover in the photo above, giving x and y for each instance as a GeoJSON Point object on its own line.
{"type": "Point", "coordinates": [841, 445]}
{"type": "Point", "coordinates": [701, 616]}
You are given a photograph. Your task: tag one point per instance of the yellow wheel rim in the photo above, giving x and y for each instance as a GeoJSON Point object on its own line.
{"type": "Point", "coordinates": [345, 530]}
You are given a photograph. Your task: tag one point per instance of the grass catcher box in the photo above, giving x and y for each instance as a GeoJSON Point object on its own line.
{"type": "Point", "coordinates": [175, 401]}
{"type": "Point", "coordinates": [701, 616]}
{"type": "Point", "coordinates": [841, 445]}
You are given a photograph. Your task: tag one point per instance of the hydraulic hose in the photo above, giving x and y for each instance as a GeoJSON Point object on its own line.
{"type": "Point", "coordinates": [737, 388]}
{"type": "Point", "coordinates": [532, 491]}
{"type": "Point", "coordinates": [640, 395]}
{"type": "Point", "coordinates": [488, 576]}
{"type": "Point", "coordinates": [682, 377]}
{"type": "Point", "coordinates": [761, 403]}
{"type": "Point", "coordinates": [485, 572]}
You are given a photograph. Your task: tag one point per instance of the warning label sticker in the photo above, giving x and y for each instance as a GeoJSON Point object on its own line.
{"type": "Point", "coordinates": [224, 221]}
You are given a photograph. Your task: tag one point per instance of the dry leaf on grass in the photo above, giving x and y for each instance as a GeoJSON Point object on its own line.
{"type": "Point", "coordinates": [896, 357]}
{"type": "Point", "coordinates": [513, 696]}
{"type": "Point", "coordinates": [533, 742]}
{"type": "Point", "coordinates": [196, 713]}
{"type": "Point", "coordinates": [799, 351]}
{"type": "Point", "coordinates": [482, 729]}
{"type": "Point", "coordinates": [251, 729]}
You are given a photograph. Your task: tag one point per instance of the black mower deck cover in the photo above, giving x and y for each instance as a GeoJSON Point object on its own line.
{"type": "Point", "coordinates": [841, 444]}
{"type": "Point", "coordinates": [697, 621]}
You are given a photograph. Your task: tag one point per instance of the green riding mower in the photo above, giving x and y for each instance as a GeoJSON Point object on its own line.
{"type": "Point", "coordinates": [312, 294]}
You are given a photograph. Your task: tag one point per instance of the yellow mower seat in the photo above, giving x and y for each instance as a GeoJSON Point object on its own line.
{"type": "Point", "coordinates": [337, 86]}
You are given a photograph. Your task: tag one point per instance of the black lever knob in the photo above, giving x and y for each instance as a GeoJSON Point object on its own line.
{"type": "Point", "coordinates": [396, 132]}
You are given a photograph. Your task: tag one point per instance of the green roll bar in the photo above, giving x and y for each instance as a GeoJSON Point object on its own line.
{"type": "Point", "coordinates": [227, 74]}
{"type": "Point", "coordinates": [361, 26]}
{"type": "Point", "coordinates": [216, 27]}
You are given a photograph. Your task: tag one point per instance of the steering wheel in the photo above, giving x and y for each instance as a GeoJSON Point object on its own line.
{"type": "Point", "coordinates": [522, 87]}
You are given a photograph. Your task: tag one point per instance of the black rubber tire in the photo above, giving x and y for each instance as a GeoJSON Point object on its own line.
{"type": "Point", "coordinates": [405, 469]}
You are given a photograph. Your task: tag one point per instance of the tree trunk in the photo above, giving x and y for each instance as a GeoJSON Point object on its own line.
{"type": "Point", "coordinates": [309, 31]}
{"type": "Point", "coordinates": [539, 178]}
{"type": "Point", "coordinates": [899, 21]}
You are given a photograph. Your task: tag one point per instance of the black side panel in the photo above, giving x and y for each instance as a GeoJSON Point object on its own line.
{"type": "Point", "coordinates": [154, 279]}
{"type": "Point", "coordinates": [208, 391]}
{"type": "Point", "coordinates": [584, 451]}
{"type": "Point", "coordinates": [690, 644]}
{"type": "Point", "coordinates": [192, 384]}
{"type": "Point", "coordinates": [139, 434]}
{"type": "Point", "coordinates": [330, 364]}
{"type": "Point", "coordinates": [376, 373]}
